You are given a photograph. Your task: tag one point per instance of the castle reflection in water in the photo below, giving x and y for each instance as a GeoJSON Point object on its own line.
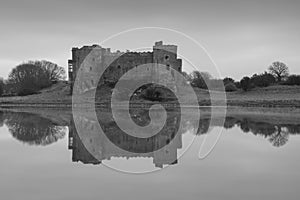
{"type": "Point", "coordinates": [106, 150]}
{"type": "Point", "coordinates": [90, 147]}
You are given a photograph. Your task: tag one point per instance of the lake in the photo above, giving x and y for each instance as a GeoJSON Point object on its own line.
{"type": "Point", "coordinates": [52, 154]}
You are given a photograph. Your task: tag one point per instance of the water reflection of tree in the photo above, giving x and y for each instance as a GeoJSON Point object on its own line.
{"type": "Point", "coordinates": [204, 123]}
{"type": "Point", "coordinates": [279, 137]}
{"type": "Point", "coordinates": [230, 122]}
{"type": "Point", "coordinates": [294, 129]}
{"type": "Point", "coordinates": [33, 129]}
{"type": "Point", "coordinates": [2, 118]}
{"type": "Point", "coordinates": [277, 134]}
{"type": "Point", "coordinates": [203, 126]}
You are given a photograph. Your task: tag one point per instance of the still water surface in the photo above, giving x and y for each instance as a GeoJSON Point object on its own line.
{"type": "Point", "coordinates": [43, 157]}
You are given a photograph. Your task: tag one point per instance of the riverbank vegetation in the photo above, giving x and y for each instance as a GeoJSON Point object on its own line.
{"type": "Point", "coordinates": [276, 74]}
{"type": "Point", "coordinates": [31, 77]}
{"type": "Point", "coordinates": [42, 82]}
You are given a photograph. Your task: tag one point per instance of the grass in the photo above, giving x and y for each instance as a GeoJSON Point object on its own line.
{"type": "Point", "coordinates": [273, 96]}
{"type": "Point", "coordinates": [56, 94]}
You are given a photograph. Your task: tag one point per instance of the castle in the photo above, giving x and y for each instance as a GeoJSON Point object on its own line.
{"type": "Point", "coordinates": [118, 63]}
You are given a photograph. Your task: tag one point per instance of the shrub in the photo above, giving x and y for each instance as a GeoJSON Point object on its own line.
{"type": "Point", "coordinates": [230, 87]}
{"type": "Point", "coordinates": [2, 85]}
{"type": "Point", "coordinates": [1, 90]}
{"type": "Point", "coordinates": [228, 80]}
{"type": "Point", "coordinates": [293, 80]}
{"type": "Point", "coordinates": [26, 91]}
{"type": "Point", "coordinates": [246, 83]}
{"type": "Point", "coordinates": [153, 94]}
{"type": "Point", "coordinates": [263, 80]}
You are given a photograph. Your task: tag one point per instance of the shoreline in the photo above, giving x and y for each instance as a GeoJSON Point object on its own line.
{"type": "Point", "coordinates": [237, 110]}
{"type": "Point", "coordinates": [64, 115]}
{"type": "Point", "coordinates": [243, 104]}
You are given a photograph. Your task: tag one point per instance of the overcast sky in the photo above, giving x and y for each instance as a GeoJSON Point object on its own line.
{"type": "Point", "coordinates": [243, 37]}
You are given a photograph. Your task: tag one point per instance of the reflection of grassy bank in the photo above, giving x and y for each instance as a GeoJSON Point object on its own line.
{"type": "Point", "coordinates": [287, 115]}
{"type": "Point", "coordinates": [58, 96]}
{"type": "Point", "coordinates": [59, 116]}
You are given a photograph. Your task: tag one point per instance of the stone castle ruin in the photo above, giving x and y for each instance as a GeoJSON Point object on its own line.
{"type": "Point", "coordinates": [116, 64]}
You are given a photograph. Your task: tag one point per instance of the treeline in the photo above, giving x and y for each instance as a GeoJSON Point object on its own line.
{"type": "Point", "coordinates": [30, 77]}
{"type": "Point", "coordinates": [277, 74]}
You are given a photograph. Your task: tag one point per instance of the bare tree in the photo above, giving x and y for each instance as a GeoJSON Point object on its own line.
{"type": "Point", "coordinates": [52, 71]}
{"type": "Point", "coordinates": [279, 70]}
{"type": "Point", "coordinates": [28, 78]}
{"type": "Point", "coordinates": [33, 129]}
{"type": "Point", "coordinates": [200, 79]}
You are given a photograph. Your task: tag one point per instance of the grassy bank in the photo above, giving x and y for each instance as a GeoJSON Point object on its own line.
{"type": "Point", "coordinates": [274, 96]}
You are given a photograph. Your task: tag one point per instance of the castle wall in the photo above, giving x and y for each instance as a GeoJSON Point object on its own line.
{"type": "Point", "coordinates": [119, 63]}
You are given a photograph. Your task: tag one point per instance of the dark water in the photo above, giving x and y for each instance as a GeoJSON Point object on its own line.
{"type": "Point", "coordinates": [45, 155]}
